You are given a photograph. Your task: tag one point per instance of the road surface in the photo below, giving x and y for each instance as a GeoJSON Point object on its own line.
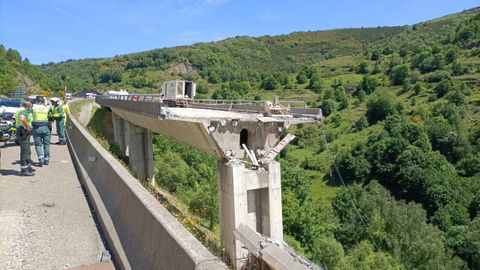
{"type": "Point", "coordinates": [45, 220]}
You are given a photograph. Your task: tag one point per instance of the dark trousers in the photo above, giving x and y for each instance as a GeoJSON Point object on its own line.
{"type": "Point", "coordinates": [60, 130]}
{"type": "Point", "coordinates": [23, 137]}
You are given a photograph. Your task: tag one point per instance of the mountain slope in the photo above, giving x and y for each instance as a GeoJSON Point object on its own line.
{"type": "Point", "coordinates": [17, 72]}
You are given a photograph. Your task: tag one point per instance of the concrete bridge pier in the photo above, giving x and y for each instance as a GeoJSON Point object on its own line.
{"type": "Point", "coordinates": [118, 132]}
{"type": "Point", "coordinates": [139, 149]}
{"type": "Point", "coordinates": [136, 143]}
{"type": "Point", "coordinates": [252, 197]}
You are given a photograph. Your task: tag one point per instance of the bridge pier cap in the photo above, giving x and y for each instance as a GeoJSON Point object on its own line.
{"type": "Point", "coordinates": [245, 143]}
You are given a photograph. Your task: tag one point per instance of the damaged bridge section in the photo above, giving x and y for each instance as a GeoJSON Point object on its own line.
{"type": "Point", "coordinates": [244, 137]}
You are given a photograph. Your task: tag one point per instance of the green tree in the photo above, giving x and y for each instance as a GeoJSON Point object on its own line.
{"type": "Point", "coordinates": [171, 171]}
{"type": "Point", "coordinates": [399, 74]}
{"type": "Point", "coordinates": [328, 107]}
{"type": "Point", "coordinates": [327, 252]}
{"type": "Point", "coordinates": [363, 68]}
{"type": "Point", "coordinates": [316, 83]}
{"type": "Point", "coordinates": [361, 96]}
{"type": "Point", "coordinates": [301, 77]}
{"type": "Point", "coordinates": [269, 83]}
{"type": "Point", "coordinates": [390, 223]}
{"type": "Point", "coordinates": [471, 250]}
{"type": "Point", "coordinates": [361, 123]}
{"type": "Point", "coordinates": [452, 214]}
{"type": "Point", "coordinates": [202, 89]}
{"type": "Point", "coordinates": [469, 166]}
{"type": "Point", "coordinates": [418, 88]}
{"type": "Point", "coordinates": [457, 97]}
{"type": "Point", "coordinates": [451, 141]}
{"type": "Point", "coordinates": [368, 84]}
{"type": "Point", "coordinates": [353, 168]}
{"type": "Point", "coordinates": [363, 257]}
{"type": "Point", "coordinates": [444, 87]}
{"type": "Point", "coordinates": [380, 106]}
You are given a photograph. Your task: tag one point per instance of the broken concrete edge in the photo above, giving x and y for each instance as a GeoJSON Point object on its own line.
{"type": "Point", "coordinates": [277, 255]}
{"type": "Point", "coordinates": [163, 221]}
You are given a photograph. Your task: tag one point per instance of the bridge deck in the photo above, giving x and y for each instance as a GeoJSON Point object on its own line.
{"type": "Point", "coordinates": [45, 221]}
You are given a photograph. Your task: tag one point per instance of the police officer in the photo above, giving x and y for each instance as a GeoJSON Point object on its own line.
{"type": "Point", "coordinates": [58, 115]}
{"type": "Point", "coordinates": [24, 131]}
{"type": "Point", "coordinates": [66, 110]}
{"type": "Point", "coordinates": [41, 133]}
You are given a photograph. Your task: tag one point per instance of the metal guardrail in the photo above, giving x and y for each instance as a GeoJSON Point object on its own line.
{"type": "Point", "coordinates": [141, 98]}
{"type": "Point", "coordinates": [159, 98]}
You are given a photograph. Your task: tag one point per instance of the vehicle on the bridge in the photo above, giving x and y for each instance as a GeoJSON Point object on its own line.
{"type": "Point", "coordinates": [178, 92]}
{"type": "Point", "coordinates": [117, 93]}
{"type": "Point", "coordinates": [90, 96]}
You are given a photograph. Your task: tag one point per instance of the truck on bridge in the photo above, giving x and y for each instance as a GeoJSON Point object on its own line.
{"type": "Point", "coordinates": [178, 93]}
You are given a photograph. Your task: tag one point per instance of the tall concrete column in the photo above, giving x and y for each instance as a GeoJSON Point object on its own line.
{"type": "Point", "coordinates": [251, 197]}
{"type": "Point", "coordinates": [272, 220]}
{"type": "Point", "coordinates": [140, 151]}
{"type": "Point", "coordinates": [119, 132]}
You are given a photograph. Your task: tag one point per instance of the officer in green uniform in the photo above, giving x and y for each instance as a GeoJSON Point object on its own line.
{"type": "Point", "coordinates": [58, 115]}
{"type": "Point", "coordinates": [41, 133]}
{"type": "Point", "coordinates": [66, 110]}
{"type": "Point", "coordinates": [24, 131]}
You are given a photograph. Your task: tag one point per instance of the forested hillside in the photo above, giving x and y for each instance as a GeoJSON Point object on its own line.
{"type": "Point", "coordinates": [15, 71]}
{"type": "Point", "coordinates": [390, 180]}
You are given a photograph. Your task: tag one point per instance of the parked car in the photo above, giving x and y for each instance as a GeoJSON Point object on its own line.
{"type": "Point", "coordinates": [9, 106]}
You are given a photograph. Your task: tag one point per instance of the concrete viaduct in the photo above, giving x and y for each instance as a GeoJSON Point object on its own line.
{"type": "Point", "coordinates": [139, 232]}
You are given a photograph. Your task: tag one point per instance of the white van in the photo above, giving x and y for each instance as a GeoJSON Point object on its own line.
{"type": "Point", "coordinates": [90, 96]}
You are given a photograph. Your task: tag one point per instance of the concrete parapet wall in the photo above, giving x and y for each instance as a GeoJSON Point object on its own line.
{"type": "Point", "coordinates": [141, 232]}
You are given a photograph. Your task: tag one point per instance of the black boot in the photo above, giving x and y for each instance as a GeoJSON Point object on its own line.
{"type": "Point", "coordinates": [26, 173]}
{"type": "Point", "coordinates": [30, 168]}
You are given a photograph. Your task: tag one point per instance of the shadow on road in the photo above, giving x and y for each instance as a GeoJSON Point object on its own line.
{"type": "Point", "coordinates": [8, 172]}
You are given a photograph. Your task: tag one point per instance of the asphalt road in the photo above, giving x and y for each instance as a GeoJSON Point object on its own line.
{"type": "Point", "coordinates": [45, 221]}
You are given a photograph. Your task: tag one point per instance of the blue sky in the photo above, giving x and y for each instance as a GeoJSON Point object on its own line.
{"type": "Point", "coordinates": [57, 30]}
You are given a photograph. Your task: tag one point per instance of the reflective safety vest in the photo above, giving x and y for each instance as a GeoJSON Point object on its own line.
{"type": "Point", "coordinates": [26, 113]}
{"type": "Point", "coordinates": [65, 109]}
{"type": "Point", "coordinates": [17, 117]}
{"type": "Point", "coordinates": [40, 112]}
{"type": "Point", "coordinates": [57, 111]}
{"type": "Point", "coordinates": [30, 116]}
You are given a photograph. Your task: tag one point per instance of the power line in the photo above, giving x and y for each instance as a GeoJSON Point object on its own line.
{"type": "Point", "coordinates": [348, 192]}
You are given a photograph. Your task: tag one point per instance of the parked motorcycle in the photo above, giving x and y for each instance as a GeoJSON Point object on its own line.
{"type": "Point", "coordinates": [8, 131]}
